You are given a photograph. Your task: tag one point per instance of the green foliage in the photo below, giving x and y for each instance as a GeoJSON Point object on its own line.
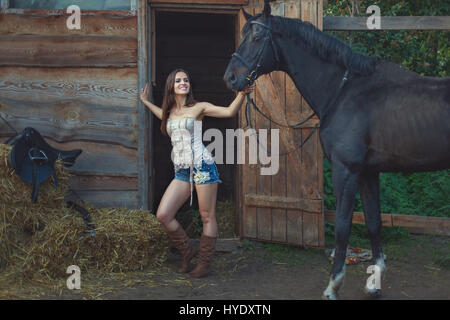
{"type": "Point", "coordinates": [425, 52]}
{"type": "Point", "coordinates": [418, 193]}
{"type": "Point", "coordinates": [422, 193]}
{"type": "Point", "coordinates": [442, 260]}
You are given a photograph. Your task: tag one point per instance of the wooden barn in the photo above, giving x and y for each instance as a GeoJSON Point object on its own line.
{"type": "Point", "coordinates": [80, 88]}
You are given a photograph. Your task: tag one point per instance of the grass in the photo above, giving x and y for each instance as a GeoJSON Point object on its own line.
{"type": "Point", "coordinates": [442, 259]}
{"type": "Point", "coordinates": [397, 243]}
{"type": "Point", "coordinates": [283, 254]}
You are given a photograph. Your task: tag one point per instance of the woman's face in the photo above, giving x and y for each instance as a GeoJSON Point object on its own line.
{"type": "Point", "coordinates": [181, 85]}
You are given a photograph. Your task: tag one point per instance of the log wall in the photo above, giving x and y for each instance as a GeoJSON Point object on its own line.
{"type": "Point", "coordinates": [79, 88]}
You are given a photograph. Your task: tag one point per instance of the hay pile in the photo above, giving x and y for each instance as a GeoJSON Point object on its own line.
{"type": "Point", "coordinates": [39, 241]}
{"type": "Point", "coordinates": [14, 191]}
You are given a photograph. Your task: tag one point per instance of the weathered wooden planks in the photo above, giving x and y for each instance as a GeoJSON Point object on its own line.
{"type": "Point", "coordinates": [116, 87]}
{"type": "Point", "coordinates": [264, 187]}
{"type": "Point", "coordinates": [79, 88]}
{"type": "Point", "coordinates": [70, 120]}
{"type": "Point", "coordinates": [112, 14]}
{"type": "Point", "coordinates": [67, 51]}
{"type": "Point", "coordinates": [102, 183]}
{"type": "Point", "coordinates": [248, 175]}
{"type": "Point", "coordinates": [282, 202]}
{"type": "Point", "coordinates": [113, 199]}
{"type": "Point", "coordinates": [55, 25]}
{"type": "Point", "coordinates": [289, 207]}
{"type": "Point", "coordinates": [279, 180]}
{"type": "Point", "coordinates": [101, 159]}
{"type": "Point", "coordinates": [71, 103]}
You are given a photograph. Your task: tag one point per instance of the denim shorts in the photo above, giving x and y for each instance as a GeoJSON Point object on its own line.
{"type": "Point", "coordinates": [207, 174]}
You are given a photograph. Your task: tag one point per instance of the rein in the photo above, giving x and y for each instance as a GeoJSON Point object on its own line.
{"type": "Point", "coordinates": [253, 75]}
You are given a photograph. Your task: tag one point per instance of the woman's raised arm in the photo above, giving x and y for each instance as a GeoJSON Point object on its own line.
{"type": "Point", "coordinates": [157, 111]}
{"type": "Point", "coordinates": [211, 110]}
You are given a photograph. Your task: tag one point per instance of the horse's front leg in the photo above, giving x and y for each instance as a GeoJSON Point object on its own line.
{"type": "Point", "coordinates": [345, 184]}
{"type": "Point", "coordinates": [369, 190]}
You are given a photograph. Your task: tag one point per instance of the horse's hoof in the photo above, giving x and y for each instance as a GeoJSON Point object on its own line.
{"type": "Point", "coordinates": [330, 296]}
{"type": "Point", "coordinates": [372, 293]}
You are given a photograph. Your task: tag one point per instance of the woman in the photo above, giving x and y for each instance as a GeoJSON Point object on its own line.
{"type": "Point", "coordinates": [181, 119]}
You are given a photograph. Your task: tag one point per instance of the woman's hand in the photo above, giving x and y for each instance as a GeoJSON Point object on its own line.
{"type": "Point", "coordinates": [248, 89]}
{"type": "Point", "coordinates": [144, 93]}
{"type": "Point", "coordinates": [157, 111]}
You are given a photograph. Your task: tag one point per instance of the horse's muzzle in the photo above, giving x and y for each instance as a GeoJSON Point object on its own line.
{"type": "Point", "coordinates": [234, 82]}
{"type": "Point", "coordinates": [230, 79]}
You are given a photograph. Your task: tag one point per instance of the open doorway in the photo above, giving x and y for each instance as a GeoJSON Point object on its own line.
{"type": "Point", "coordinates": [202, 44]}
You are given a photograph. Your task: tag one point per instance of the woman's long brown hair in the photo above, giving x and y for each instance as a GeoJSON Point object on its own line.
{"type": "Point", "coordinates": [169, 98]}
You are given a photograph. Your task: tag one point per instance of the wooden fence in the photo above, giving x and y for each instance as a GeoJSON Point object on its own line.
{"type": "Point", "coordinates": [415, 224]}
{"type": "Point", "coordinates": [387, 23]}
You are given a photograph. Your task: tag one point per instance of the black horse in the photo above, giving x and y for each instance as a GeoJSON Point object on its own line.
{"type": "Point", "coordinates": [374, 115]}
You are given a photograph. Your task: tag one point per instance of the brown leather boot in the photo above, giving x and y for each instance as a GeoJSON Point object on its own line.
{"type": "Point", "coordinates": [207, 249]}
{"type": "Point", "coordinates": [184, 246]}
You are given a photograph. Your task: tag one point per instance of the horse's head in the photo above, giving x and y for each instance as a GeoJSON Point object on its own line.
{"type": "Point", "coordinates": [256, 54]}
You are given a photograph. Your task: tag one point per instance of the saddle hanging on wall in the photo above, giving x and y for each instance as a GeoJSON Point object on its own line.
{"type": "Point", "coordinates": [33, 159]}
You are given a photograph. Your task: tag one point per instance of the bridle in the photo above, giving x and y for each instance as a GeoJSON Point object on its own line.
{"type": "Point", "coordinates": [253, 75]}
{"type": "Point", "coordinates": [253, 70]}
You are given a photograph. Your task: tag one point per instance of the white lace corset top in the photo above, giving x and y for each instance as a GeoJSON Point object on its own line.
{"type": "Point", "coordinates": [188, 149]}
{"type": "Point", "coordinates": [187, 145]}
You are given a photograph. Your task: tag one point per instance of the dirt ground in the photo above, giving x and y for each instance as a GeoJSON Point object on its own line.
{"type": "Point", "coordinates": [418, 268]}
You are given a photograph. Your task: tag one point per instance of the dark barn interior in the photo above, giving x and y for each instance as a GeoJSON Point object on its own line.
{"type": "Point", "coordinates": [202, 44]}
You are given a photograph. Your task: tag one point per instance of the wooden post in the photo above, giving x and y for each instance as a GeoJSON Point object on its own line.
{"type": "Point", "coordinates": [388, 23]}
{"type": "Point", "coordinates": [144, 132]}
{"type": "Point", "coordinates": [4, 4]}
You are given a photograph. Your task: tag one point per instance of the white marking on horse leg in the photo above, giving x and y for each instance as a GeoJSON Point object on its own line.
{"type": "Point", "coordinates": [380, 263]}
{"type": "Point", "coordinates": [331, 292]}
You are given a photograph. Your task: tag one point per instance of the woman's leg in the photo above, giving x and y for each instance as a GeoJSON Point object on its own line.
{"type": "Point", "coordinates": [176, 194]}
{"type": "Point", "coordinates": [174, 197]}
{"type": "Point", "coordinates": [207, 195]}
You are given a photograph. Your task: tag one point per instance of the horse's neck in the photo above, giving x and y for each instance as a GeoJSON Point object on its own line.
{"type": "Point", "coordinates": [314, 78]}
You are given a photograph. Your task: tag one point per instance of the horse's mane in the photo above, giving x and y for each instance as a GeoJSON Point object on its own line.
{"type": "Point", "coordinates": [324, 45]}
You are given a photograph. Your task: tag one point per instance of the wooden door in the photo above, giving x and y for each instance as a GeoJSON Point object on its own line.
{"type": "Point", "coordinates": [286, 207]}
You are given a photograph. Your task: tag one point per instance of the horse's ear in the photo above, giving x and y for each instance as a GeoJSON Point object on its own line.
{"type": "Point", "coordinates": [267, 9]}
{"type": "Point", "coordinates": [246, 14]}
